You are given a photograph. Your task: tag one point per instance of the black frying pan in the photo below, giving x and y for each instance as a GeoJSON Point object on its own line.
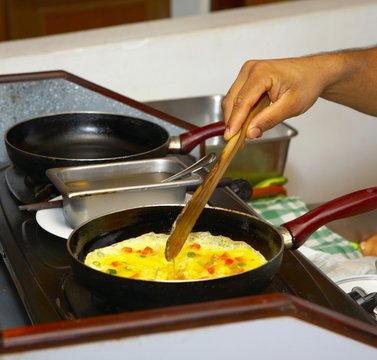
{"type": "Point", "coordinates": [269, 240]}
{"type": "Point", "coordinates": [74, 139]}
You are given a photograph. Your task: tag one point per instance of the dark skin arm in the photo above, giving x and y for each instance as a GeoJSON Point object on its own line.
{"type": "Point", "coordinates": [294, 84]}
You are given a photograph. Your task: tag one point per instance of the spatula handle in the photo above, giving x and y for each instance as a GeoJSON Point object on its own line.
{"type": "Point", "coordinates": [191, 212]}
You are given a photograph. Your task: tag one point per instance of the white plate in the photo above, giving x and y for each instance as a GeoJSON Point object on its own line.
{"type": "Point", "coordinates": [53, 221]}
{"type": "Point", "coordinates": [366, 282]}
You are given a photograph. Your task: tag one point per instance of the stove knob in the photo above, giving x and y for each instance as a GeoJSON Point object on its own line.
{"type": "Point", "coordinates": [242, 188]}
{"type": "Point", "coordinates": [357, 293]}
{"type": "Point", "coordinates": [369, 302]}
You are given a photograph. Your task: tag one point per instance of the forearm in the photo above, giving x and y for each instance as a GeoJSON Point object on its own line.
{"type": "Point", "coordinates": [353, 79]}
{"type": "Point", "coordinates": [348, 77]}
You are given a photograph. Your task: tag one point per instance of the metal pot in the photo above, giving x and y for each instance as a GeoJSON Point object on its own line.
{"type": "Point", "coordinates": [269, 240]}
{"type": "Point", "coordinates": [85, 138]}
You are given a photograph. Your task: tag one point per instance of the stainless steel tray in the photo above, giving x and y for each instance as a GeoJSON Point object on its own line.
{"type": "Point", "coordinates": [94, 190]}
{"type": "Point", "coordinates": [259, 159]}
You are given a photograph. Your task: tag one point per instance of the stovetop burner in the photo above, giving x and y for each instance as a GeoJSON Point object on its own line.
{"type": "Point", "coordinates": [27, 190]}
{"type": "Point", "coordinates": [40, 266]}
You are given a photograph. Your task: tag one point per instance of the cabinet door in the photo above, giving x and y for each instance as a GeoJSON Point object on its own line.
{"type": "Point", "coordinates": [3, 21]}
{"type": "Point", "coordinates": [28, 18]}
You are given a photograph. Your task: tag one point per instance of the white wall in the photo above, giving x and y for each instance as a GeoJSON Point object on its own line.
{"type": "Point", "coordinates": [201, 55]}
{"type": "Point", "coordinates": [192, 7]}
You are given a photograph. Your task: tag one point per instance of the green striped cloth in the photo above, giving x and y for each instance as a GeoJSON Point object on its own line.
{"type": "Point", "coordinates": [283, 209]}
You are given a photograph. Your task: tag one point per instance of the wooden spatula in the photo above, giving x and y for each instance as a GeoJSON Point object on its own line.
{"type": "Point", "coordinates": [190, 213]}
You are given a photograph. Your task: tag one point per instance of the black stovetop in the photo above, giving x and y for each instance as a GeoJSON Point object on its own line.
{"type": "Point", "coordinates": [39, 267]}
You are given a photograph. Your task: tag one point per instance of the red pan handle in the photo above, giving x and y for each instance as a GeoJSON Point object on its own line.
{"type": "Point", "coordinates": [345, 206]}
{"type": "Point", "coordinates": [194, 137]}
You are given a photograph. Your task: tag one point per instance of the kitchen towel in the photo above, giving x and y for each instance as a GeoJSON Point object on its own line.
{"type": "Point", "coordinates": [337, 257]}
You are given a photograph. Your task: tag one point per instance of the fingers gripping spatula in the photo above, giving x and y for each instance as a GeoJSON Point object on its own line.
{"type": "Point", "coordinates": [190, 213]}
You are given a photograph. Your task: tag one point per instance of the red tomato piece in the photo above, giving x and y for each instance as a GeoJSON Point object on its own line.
{"type": "Point", "coordinates": [224, 256]}
{"type": "Point", "coordinates": [195, 246]}
{"type": "Point", "coordinates": [229, 261]}
{"type": "Point", "coordinates": [147, 250]}
{"type": "Point", "coordinates": [210, 268]}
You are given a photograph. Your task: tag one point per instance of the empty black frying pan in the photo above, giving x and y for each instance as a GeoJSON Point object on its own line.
{"type": "Point", "coordinates": [269, 240]}
{"type": "Point", "coordinates": [85, 138]}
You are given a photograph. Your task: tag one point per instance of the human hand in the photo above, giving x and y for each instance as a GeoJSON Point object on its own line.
{"type": "Point", "coordinates": [293, 86]}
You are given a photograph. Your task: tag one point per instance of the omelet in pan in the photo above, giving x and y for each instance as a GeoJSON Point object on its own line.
{"type": "Point", "coordinates": [203, 256]}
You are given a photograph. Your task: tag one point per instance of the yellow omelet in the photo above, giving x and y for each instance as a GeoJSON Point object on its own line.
{"type": "Point", "coordinates": [203, 256]}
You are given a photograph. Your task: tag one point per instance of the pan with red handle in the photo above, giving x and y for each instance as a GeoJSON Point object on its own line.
{"type": "Point", "coordinates": [271, 241]}
{"type": "Point", "coordinates": [86, 138]}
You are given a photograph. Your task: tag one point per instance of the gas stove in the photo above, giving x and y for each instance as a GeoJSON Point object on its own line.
{"type": "Point", "coordinates": [39, 265]}
{"type": "Point", "coordinates": [40, 288]}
